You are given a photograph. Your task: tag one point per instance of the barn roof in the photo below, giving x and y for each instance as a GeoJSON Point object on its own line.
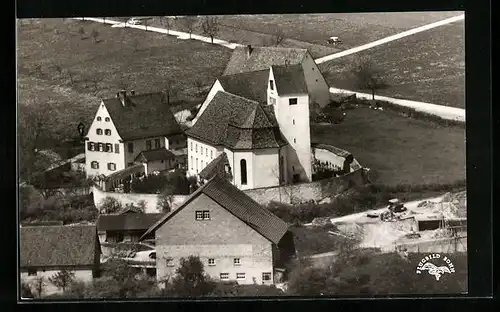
{"type": "Point", "coordinates": [127, 221]}
{"type": "Point", "coordinates": [215, 167]}
{"type": "Point", "coordinates": [60, 245]}
{"type": "Point", "coordinates": [240, 205]}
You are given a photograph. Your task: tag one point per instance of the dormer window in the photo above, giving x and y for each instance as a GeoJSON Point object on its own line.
{"type": "Point", "coordinates": [106, 119]}
{"type": "Point", "coordinates": [98, 131]}
{"type": "Point", "coordinates": [98, 118]}
{"type": "Point", "coordinates": [271, 84]}
{"type": "Point", "coordinates": [292, 101]}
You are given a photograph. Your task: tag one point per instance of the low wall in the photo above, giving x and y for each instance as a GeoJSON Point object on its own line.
{"type": "Point", "coordinates": [314, 191]}
{"type": "Point", "coordinates": [444, 245]}
{"type": "Point", "coordinates": [335, 160]}
{"type": "Point", "coordinates": [134, 198]}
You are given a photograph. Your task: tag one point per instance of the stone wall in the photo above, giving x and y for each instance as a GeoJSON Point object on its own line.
{"type": "Point", "coordinates": [134, 198]}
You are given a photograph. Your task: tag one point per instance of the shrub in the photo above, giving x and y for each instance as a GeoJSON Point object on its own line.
{"type": "Point", "coordinates": [62, 279]}
{"type": "Point", "coordinates": [190, 279]}
{"type": "Point", "coordinates": [110, 205]}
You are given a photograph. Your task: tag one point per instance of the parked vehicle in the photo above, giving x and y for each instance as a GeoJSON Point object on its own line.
{"type": "Point", "coordinates": [334, 40]}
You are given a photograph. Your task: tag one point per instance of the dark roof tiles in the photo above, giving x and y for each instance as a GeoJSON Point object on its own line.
{"type": "Point", "coordinates": [215, 167]}
{"type": "Point", "coordinates": [66, 245]}
{"type": "Point", "coordinates": [156, 154]}
{"type": "Point", "coordinates": [127, 221]}
{"type": "Point", "coordinates": [250, 85]}
{"type": "Point", "coordinates": [289, 79]}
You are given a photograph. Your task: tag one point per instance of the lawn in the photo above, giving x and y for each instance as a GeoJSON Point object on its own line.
{"type": "Point", "coordinates": [130, 58]}
{"type": "Point", "coordinates": [400, 150]}
{"type": "Point", "coordinates": [428, 66]}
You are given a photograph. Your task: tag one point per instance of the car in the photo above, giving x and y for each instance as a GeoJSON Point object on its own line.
{"type": "Point", "coordinates": [133, 21]}
{"type": "Point", "coordinates": [334, 40]}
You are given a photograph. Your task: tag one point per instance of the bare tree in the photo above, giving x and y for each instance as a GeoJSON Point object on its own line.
{"type": "Point", "coordinates": [210, 27]}
{"type": "Point", "coordinates": [81, 31]}
{"type": "Point", "coordinates": [166, 22]}
{"type": "Point", "coordinates": [95, 81]}
{"type": "Point", "coordinates": [39, 284]}
{"type": "Point", "coordinates": [368, 75]}
{"type": "Point", "coordinates": [71, 76]}
{"type": "Point", "coordinates": [278, 37]}
{"type": "Point", "coordinates": [58, 69]}
{"type": "Point", "coordinates": [190, 22]}
{"type": "Point", "coordinates": [146, 22]}
{"type": "Point", "coordinates": [95, 35]}
{"type": "Point", "coordinates": [62, 279]}
{"type": "Point", "coordinates": [199, 86]}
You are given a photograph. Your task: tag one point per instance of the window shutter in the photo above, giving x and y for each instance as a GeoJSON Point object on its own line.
{"type": "Point", "coordinates": [117, 148]}
{"type": "Point", "coordinates": [89, 146]}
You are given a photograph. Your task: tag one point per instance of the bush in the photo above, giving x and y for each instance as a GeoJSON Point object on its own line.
{"type": "Point", "coordinates": [155, 184]}
{"type": "Point", "coordinates": [110, 205]}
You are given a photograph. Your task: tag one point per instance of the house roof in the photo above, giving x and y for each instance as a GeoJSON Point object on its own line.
{"type": "Point", "coordinates": [144, 115]}
{"type": "Point", "coordinates": [237, 123]}
{"type": "Point", "coordinates": [250, 85]}
{"type": "Point", "coordinates": [215, 167]}
{"type": "Point", "coordinates": [127, 221]}
{"type": "Point", "coordinates": [126, 172]}
{"type": "Point", "coordinates": [240, 205]}
{"type": "Point", "coordinates": [156, 154]}
{"type": "Point", "coordinates": [290, 79]}
{"type": "Point", "coordinates": [262, 58]}
{"type": "Point", "coordinates": [58, 245]}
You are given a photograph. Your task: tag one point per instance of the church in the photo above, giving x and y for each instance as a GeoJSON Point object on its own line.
{"type": "Point", "coordinates": [253, 127]}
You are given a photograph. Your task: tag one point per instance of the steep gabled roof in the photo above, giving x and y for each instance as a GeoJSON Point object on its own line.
{"type": "Point", "coordinates": [64, 245]}
{"type": "Point", "coordinates": [240, 205]}
{"type": "Point", "coordinates": [156, 154]}
{"type": "Point", "coordinates": [250, 85]}
{"type": "Point", "coordinates": [262, 58]}
{"type": "Point", "coordinates": [290, 79]}
{"type": "Point", "coordinates": [215, 167]}
{"type": "Point", "coordinates": [144, 115]}
{"type": "Point", "coordinates": [237, 123]}
{"type": "Point", "coordinates": [127, 221]}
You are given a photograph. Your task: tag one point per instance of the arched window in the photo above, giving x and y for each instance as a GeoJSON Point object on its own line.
{"type": "Point", "coordinates": [243, 166]}
{"type": "Point", "coordinates": [98, 118]}
{"type": "Point", "coordinates": [107, 119]}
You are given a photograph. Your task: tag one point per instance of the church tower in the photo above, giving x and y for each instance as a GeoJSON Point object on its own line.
{"type": "Point", "coordinates": [287, 92]}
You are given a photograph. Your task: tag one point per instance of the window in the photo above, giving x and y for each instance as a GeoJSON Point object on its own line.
{"type": "Point", "coordinates": [117, 148]}
{"type": "Point", "coordinates": [107, 132]}
{"type": "Point", "coordinates": [212, 154]}
{"type": "Point", "coordinates": [294, 140]}
{"type": "Point", "coordinates": [313, 68]}
{"type": "Point", "coordinates": [266, 276]}
{"type": "Point", "coordinates": [224, 276]}
{"type": "Point", "coordinates": [170, 262]}
{"type": "Point", "coordinates": [191, 162]}
{"type": "Point", "coordinates": [293, 120]}
{"type": "Point", "coordinates": [107, 119]}
{"type": "Point", "coordinates": [98, 131]}
{"type": "Point", "coordinates": [271, 85]}
{"type": "Point", "coordinates": [94, 165]}
{"type": "Point", "coordinates": [191, 146]}
{"type": "Point", "coordinates": [130, 147]}
{"type": "Point", "coordinates": [196, 148]}
{"type": "Point", "coordinates": [157, 143]}
{"type": "Point", "coordinates": [111, 166]}
{"type": "Point", "coordinates": [236, 261]}
{"type": "Point", "coordinates": [243, 167]}
{"type": "Point", "coordinates": [100, 147]}
{"type": "Point", "coordinates": [240, 276]}
{"type": "Point", "coordinates": [292, 101]}
{"type": "Point", "coordinates": [211, 261]}
{"type": "Point", "coordinates": [206, 154]}
{"type": "Point", "coordinates": [201, 150]}
{"type": "Point", "coordinates": [98, 118]}
{"type": "Point", "coordinates": [148, 144]}
{"type": "Point", "coordinates": [206, 215]}
{"type": "Point", "coordinates": [196, 164]}
{"type": "Point", "coordinates": [108, 148]}
{"type": "Point", "coordinates": [31, 272]}
{"type": "Point", "coordinates": [90, 146]}
{"type": "Point", "coordinates": [293, 168]}
{"type": "Point", "coordinates": [199, 215]}
{"type": "Point", "coordinates": [202, 163]}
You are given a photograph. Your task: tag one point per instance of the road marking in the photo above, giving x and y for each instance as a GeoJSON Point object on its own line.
{"type": "Point", "coordinates": [389, 39]}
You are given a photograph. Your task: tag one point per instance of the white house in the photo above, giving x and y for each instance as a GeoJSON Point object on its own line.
{"type": "Point", "coordinates": [131, 129]}
{"type": "Point", "coordinates": [46, 250]}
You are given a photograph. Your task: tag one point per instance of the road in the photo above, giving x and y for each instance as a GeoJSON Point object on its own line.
{"type": "Point", "coordinates": [446, 112]}
{"type": "Point", "coordinates": [389, 39]}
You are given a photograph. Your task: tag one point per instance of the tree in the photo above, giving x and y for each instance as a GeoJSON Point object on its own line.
{"type": "Point", "coordinates": [58, 69]}
{"type": "Point", "coordinates": [190, 22]}
{"type": "Point", "coordinates": [210, 27]}
{"type": "Point", "coordinates": [62, 279]}
{"type": "Point", "coordinates": [368, 75]}
{"type": "Point", "coordinates": [166, 199]}
{"type": "Point", "coordinates": [95, 81]}
{"type": "Point", "coordinates": [95, 35]}
{"type": "Point", "coordinates": [166, 22]}
{"type": "Point", "coordinates": [171, 90]}
{"type": "Point", "coordinates": [110, 205]}
{"type": "Point", "coordinates": [278, 37]}
{"type": "Point", "coordinates": [26, 291]}
{"type": "Point", "coordinates": [190, 279]}
{"type": "Point", "coordinates": [39, 285]}
{"type": "Point", "coordinates": [71, 76]}
{"type": "Point", "coordinates": [81, 31]}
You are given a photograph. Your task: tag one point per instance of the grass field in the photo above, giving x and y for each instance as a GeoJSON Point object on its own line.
{"type": "Point", "coordinates": [130, 58]}
{"type": "Point", "coordinates": [400, 150]}
{"type": "Point", "coordinates": [428, 66]}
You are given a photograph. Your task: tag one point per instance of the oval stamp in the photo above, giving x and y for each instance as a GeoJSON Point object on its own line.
{"type": "Point", "coordinates": [436, 265]}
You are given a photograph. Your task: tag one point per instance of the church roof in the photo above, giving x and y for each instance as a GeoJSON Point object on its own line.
{"type": "Point", "coordinates": [250, 85]}
{"type": "Point", "coordinates": [237, 123]}
{"type": "Point", "coordinates": [290, 79]}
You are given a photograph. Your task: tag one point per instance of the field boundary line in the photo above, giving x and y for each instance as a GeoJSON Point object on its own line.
{"type": "Point", "coordinates": [389, 39]}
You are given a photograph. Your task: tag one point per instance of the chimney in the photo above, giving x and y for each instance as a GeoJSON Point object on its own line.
{"type": "Point", "coordinates": [122, 95]}
{"type": "Point", "coordinates": [249, 50]}
{"type": "Point", "coordinates": [132, 92]}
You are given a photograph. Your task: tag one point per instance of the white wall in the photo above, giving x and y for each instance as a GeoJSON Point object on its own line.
{"type": "Point", "coordinates": [215, 88]}
{"type": "Point", "coordinates": [294, 124]}
{"type": "Point", "coordinates": [103, 158]}
{"type": "Point", "coordinates": [80, 275]}
{"type": "Point", "coordinates": [199, 155]}
{"type": "Point", "coordinates": [266, 167]}
{"type": "Point", "coordinates": [316, 84]}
